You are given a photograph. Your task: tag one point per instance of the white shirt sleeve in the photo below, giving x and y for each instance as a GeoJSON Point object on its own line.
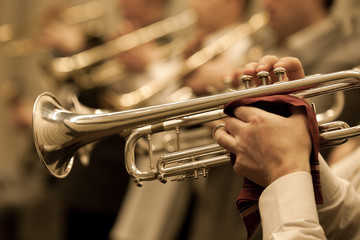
{"type": "Point", "coordinates": [288, 210]}
{"type": "Point", "coordinates": [340, 213]}
{"type": "Point", "coordinates": [349, 168]}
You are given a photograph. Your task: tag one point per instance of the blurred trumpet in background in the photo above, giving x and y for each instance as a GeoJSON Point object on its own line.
{"type": "Point", "coordinates": [147, 91]}
{"type": "Point", "coordinates": [78, 65]}
{"type": "Point", "coordinates": [59, 20]}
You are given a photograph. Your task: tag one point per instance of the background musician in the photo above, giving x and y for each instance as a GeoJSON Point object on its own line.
{"type": "Point", "coordinates": [94, 194]}
{"type": "Point", "coordinates": [27, 205]}
{"type": "Point", "coordinates": [212, 213]}
{"type": "Point", "coordinates": [155, 208]}
{"type": "Point", "coordinates": [314, 25]}
{"type": "Point", "coordinates": [216, 18]}
{"type": "Point", "coordinates": [85, 205]}
{"type": "Point", "coordinates": [138, 14]}
{"type": "Point", "coordinates": [320, 37]}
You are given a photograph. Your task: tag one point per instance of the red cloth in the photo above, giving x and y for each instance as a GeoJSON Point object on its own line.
{"type": "Point", "coordinates": [247, 201]}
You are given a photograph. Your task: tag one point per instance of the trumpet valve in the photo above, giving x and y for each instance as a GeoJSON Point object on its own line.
{"type": "Point", "coordinates": [279, 72]}
{"type": "Point", "coordinates": [204, 172]}
{"type": "Point", "coordinates": [246, 79]}
{"type": "Point", "coordinates": [263, 75]}
{"type": "Point", "coordinates": [196, 174]}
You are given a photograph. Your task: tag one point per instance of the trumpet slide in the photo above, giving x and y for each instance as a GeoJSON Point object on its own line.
{"type": "Point", "coordinates": [59, 133]}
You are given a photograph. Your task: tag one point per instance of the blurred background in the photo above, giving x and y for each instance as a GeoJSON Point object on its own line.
{"type": "Point", "coordinates": [40, 42]}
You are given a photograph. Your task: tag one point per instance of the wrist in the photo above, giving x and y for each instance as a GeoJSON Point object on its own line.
{"type": "Point", "coordinates": [283, 171]}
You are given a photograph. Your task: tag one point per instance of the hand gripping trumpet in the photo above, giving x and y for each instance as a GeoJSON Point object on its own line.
{"type": "Point", "coordinates": [59, 133]}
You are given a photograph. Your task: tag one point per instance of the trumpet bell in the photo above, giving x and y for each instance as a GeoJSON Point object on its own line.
{"type": "Point", "coordinates": [58, 158]}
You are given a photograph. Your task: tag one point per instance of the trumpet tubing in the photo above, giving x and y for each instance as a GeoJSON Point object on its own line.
{"type": "Point", "coordinates": [85, 14]}
{"type": "Point", "coordinates": [65, 66]}
{"type": "Point", "coordinates": [59, 133]}
{"type": "Point", "coordinates": [145, 92]}
{"type": "Point", "coordinates": [194, 162]}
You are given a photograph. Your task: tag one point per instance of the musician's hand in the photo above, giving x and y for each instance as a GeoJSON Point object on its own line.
{"type": "Point", "coordinates": [207, 79]}
{"type": "Point", "coordinates": [268, 63]}
{"type": "Point", "coordinates": [62, 38]}
{"type": "Point", "coordinates": [267, 146]}
{"type": "Point", "coordinates": [57, 35]}
{"type": "Point", "coordinates": [20, 114]}
{"type": "Point", "coordinates": [137, 59]}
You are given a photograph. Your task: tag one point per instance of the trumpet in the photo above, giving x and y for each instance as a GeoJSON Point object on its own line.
{"type": "Point", "coordinates": [85, 14]}
{"type": "Point", "coordinates": [76, 64]}
{"type": "Point", "coordinates": [141, 95]}
{"type": "Point", "coordinates": [59, 133]}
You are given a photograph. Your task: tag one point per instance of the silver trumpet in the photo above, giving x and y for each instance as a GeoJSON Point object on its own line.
{"type": "Point", "coordinates": [59, 133]}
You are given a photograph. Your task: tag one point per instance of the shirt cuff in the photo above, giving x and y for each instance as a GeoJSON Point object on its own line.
{"type": "Point", "coordinates": [289, 199]}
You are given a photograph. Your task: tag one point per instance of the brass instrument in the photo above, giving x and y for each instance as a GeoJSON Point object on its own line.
{"type": "Point", "coordinates": [334, 112]}
{"type": "Point", "coordinates": [59, 133]}
{"type": "Point", "coordinates": [146, 91]}
{"type": "Point", "coordinates": [74, 65]}
{"type": "Point", "coordinates": [86, 13]}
